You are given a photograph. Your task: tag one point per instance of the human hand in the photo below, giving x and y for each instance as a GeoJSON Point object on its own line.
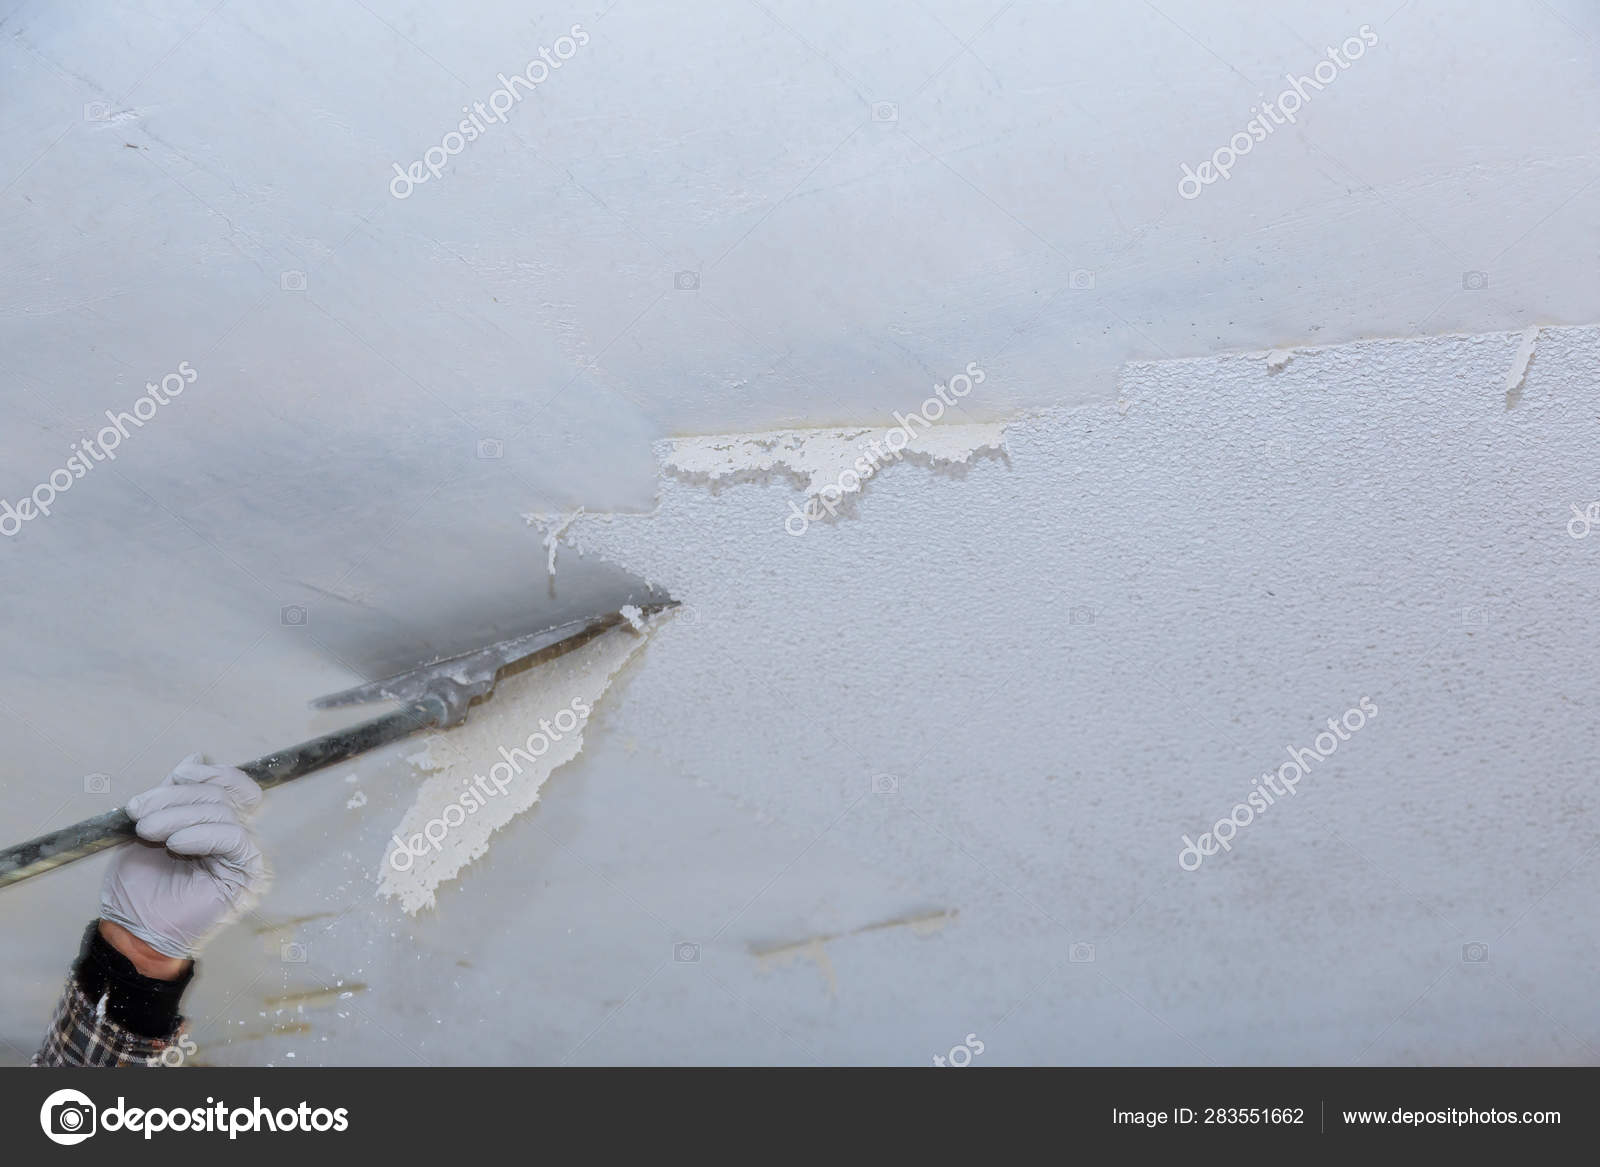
{"type": "Point", "coordinates": [196, 867]}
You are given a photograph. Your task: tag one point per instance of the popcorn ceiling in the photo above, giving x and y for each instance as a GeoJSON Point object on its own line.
{"type": "Point", "coordinates": [457, 758]}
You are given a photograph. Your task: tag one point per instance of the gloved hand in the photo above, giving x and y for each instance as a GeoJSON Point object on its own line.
{"type": "Point", "coordinates": [198, 866]}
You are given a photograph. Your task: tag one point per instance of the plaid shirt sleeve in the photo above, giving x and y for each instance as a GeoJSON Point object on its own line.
{"type": "Point", "coordinates": [82, 1035]}
{"type": "Point", "coordinates": [109, 1014]}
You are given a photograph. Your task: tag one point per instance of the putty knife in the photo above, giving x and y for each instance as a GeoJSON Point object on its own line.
{"type": "Point", "coordinates": [435, 695]}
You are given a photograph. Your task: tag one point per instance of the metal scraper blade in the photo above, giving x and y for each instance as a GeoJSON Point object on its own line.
{"type": "Point", "coordinates": [459, 679]}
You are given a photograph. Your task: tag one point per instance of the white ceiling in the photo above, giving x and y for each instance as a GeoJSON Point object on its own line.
{"type": "Point", "coordinates": [175, 171]}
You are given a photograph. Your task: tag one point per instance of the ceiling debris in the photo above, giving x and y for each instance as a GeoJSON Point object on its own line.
{"type": "Point", "coordinates": [553, 526]}
{"type": "Point", "coordinates": [815, 948]}
{"type": "Point", "coordinates": [490, 769]}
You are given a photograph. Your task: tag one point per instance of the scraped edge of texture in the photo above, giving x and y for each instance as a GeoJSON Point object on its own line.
{"type": "Point", "coordinates": [822, 458]}
{"type": "Point", "coordinates": [488, 760]}
{"type": "Point", "coordinates": [552, 534]}
{"type": "Point", "coordinates": [1518, 373]}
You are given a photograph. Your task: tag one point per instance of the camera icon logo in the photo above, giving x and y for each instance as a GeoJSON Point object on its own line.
{"type": "Point", "coordinates": [1082, 614]}
{"type": "Point", "coordinates": [490, 449]}
{"type": "Point", "coordinates": [1081, 953]}
{"type": "Point", "coordinates": [885, 111]}
{"type": "Point", "coordinates": [1474, 617]}
{"type": "Point", "coordinates": [292, 281]}
{"type": "Point", "coordinates": [1081, 279]}
{"type": "Point", "coordinates": [885, 784]}
{"type": "Point", "coordinates": [1474, 281]}
{"type": "Point", "coordinates": [1475, 952]}
{"type": "Point", "coordinates": [68, 1117]}
{"type": "Point", "coordinates": [686, 953]}
{"type": "Point", "coordinates": [686, 281]}
{"type": "Point", "coordinates": [292, 615]}
{"type": "Point", "coordinates": [97, 111]}
{"type": "Point", "coordinates": [97, 783]}
{"type": "Point", "coordinates": [292, 952]}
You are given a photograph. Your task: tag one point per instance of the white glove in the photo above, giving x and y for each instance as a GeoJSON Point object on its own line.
{"type": "Point", "coordinates": [198, 867]}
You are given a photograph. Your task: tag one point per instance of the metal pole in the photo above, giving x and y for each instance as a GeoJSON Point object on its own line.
{"type": "Point", "coordinates": [108, 830]}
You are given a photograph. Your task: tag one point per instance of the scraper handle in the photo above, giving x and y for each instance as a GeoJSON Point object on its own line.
{"type": "Point", "coordinates": [115, 827]}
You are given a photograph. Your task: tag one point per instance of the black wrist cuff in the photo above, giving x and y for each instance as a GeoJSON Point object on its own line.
{"type": "Point", "coordinates": [140, 1004]}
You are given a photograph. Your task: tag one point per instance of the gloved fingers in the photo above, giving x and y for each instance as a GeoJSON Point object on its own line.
{"type": "Point", "coordinates": [166, 797]}
{"type": "Point", "coordinates": [193, 770]}
{"type": "Point", "coordinates": [193, 780]}
{"type": "Point", "coordinates": [172, 777]}
{"type": "Point", "coordinates": [161, 825]}
{"type": "Point", "coordinates": [228, 842]}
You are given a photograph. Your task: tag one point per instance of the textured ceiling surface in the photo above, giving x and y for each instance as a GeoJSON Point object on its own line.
{"type": "Point", "coordinates": [707, 218]}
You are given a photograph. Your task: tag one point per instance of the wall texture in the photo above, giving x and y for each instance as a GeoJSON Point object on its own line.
{"type": "Point", "coordinates": [924, 770]}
